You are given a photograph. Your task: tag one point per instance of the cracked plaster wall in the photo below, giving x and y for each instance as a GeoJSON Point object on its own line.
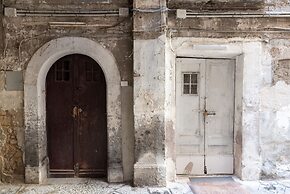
{"type": "Point", "coordinates": [275, 112]}
{"type": "Point", "coordinates": [23, 36]}
{"type": "Point", "coordinates": [11, 134]}
{"type": "Point", "coordinates": [272, 97]}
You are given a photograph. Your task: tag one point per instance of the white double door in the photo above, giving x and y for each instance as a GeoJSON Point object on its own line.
{"type": "Point", "coordinates": [204, 116]}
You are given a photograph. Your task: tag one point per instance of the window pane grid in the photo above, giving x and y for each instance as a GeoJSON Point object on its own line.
{"type": "Point", "coordinates": [190, 83]}
{"type": "Point", "coordinates": [91, 72]}
{"type": "Point", "coordinates": [62, 71]}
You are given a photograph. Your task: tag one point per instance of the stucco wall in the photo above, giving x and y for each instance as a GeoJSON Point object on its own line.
{"type": "Point", "coordinates": [267, 106]}
{"type": "Point", "coordinates": [23, 36]}
{"type": "Point", "coordinates": [267, 103]}
{"type": "Point", "coordinates": [275, 113]}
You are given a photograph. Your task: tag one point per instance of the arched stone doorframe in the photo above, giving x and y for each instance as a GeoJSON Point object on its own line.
{"type": "Point", "coordinates": [36, 160]}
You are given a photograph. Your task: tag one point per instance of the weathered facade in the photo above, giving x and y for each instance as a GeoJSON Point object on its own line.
{"type": "Point", "coordinates": [140, 47]}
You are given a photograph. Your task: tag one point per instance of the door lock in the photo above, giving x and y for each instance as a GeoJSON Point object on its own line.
{"type": "Point", "coordinates": [76, 112]}
{"type": "Point", "coordinates": [208, 113]}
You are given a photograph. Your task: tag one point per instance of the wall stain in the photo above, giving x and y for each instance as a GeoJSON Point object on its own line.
{"type": "Point", "coordinates": [188, 168]}
{"type": "Point", "coordinates": [11, 162]}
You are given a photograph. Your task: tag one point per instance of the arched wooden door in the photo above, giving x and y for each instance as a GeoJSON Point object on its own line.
{"type": "Point", "coordinates": [76, 118]}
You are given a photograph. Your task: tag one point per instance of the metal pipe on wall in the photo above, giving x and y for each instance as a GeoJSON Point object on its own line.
{"type": "Point", "coordinates": [182, 14]}
{"type": "Point", "coordinates": [66, 13]}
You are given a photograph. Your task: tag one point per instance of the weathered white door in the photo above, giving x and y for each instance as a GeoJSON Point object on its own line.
{"type": "Point", "coordinates": [204, 116]}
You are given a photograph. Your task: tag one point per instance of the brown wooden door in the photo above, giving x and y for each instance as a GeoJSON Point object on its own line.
{"type": "Point", "coordinates": [76, 118]}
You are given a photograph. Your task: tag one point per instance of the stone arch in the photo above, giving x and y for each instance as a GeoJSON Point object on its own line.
{"type": "Point", "coordinates": [35, 106]}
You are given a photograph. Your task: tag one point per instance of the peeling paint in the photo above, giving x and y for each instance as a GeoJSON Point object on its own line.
{"type": "Point", "coordinates": [275, 130]}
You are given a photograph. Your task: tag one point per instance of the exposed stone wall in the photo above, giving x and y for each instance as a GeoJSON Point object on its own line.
{"type": "Point", "coordinates": [282, 71]}
{"type": "Point", "coordinates": [11, 153]}
{"type": "Point", "coordinates": [11, 133]}
{"type": "Point", "coordinates": [279, 52]}
{"type": "Point", "coordinates": [274, 5]}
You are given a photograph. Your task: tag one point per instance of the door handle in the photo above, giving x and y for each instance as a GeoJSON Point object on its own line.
{"type": "Point", "coordinates": [75, 112]}
{"type": "Point", "coordinates": [208, 113]}
{"type": "Point", "coordinates": [79, 112]}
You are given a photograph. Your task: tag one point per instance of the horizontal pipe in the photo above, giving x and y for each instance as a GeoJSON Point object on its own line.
{"type": "Point", "coordinates": [76, 24]}
{"type": "Point", "coordinates": [66, 13]}
{"type": "Point", "coordinates": [234, 31]}
{"type": "Point", "coordinates": [238, 15]}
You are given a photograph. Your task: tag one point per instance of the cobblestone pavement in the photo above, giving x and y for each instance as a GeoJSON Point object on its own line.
{"type": "Point", "coordinates": [267, 187]}
{"type": "Point", "coordinates": [91, 186]}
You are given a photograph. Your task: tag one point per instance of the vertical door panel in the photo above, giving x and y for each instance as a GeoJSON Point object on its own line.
{"type": "Point", "coordinates": [219, 126]}
{"type": "Point", "coordinates": [60, 125]}
{"type": "Point", "coordinates": [189, 122]}
{"type": "Point", "coordinates": [92, 128]}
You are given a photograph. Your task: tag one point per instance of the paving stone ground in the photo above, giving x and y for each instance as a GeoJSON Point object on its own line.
{"type": "Point", "coordinates": [91, 186]}
{"type": "Point", "coordinates": [267, 187]}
